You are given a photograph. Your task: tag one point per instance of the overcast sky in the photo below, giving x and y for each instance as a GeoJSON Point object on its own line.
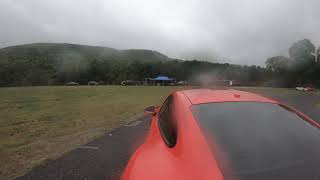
{"type": "Point", "coordinates": [242, 31]}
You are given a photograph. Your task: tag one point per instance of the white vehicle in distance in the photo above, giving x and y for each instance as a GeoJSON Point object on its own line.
{"type": "Point", "coordinates": [305, 89]}
{"type": "Point", "coordinates": [300, 88]}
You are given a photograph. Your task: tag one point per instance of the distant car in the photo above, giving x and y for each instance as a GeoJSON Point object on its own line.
{"type": "Point", "coordinates": [226, 134]}
{"type": "Point", "coordinates": [72, 84]}
{"type": "Point", "coordinates": [309, 89]}
{"type": "Point", "coordinates": [305, 89]}
{"type": "Point", "coordinates": [182, 83]}
{"type": "Point", "coordinates": [93, 83]}
{"type": "Point", "coordinates": [300, 88]}
{"type": "Point", "coordinates": [129, 82]}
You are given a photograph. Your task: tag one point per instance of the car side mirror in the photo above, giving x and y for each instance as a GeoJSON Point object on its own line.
{"type": "Point", "coordinates": [150, 110]}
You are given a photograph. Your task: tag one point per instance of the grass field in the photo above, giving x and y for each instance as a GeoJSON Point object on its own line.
{"type": "Point", "coordinates": [38, 124]}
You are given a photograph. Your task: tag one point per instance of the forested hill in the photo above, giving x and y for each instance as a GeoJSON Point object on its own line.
{"type": "Point", "coordinates": [56, 63]}
{"type": "Point", "coordinates": [58, 51]}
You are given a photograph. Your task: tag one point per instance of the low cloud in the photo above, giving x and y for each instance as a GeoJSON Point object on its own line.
{"type": "Point", "coordinates": [242, 32]}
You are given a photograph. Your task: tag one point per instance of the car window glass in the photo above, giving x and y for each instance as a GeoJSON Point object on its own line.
{"type": "Point", "coordinates": [260, 140]}
{"type": "Point", "coordinates": [167, 124]}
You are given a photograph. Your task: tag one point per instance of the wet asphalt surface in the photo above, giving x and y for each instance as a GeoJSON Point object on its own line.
{"type": "Point", "coordinates": [106, 157]}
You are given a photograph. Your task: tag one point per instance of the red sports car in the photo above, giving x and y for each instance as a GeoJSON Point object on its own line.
{"type": "Point", "coordinates": [226, 134]}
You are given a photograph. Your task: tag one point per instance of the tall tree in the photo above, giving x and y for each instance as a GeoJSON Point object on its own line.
{"type": "Point", "coordinates": [277, 64]}
{"type": "Point", "coordinates": [318, 55]}
{"type": "Point", "coordinates": [301, 54]}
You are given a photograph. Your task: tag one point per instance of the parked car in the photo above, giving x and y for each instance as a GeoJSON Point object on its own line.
{"type": "Point", "coordinates": [309, 89]}
{"type": "Point", "coordinates": [226, 134]}
{"type": "Point", "coordinates": [129, 82]}
{"type": "Point", "coordinates": [300, 89]}
{"type": "Point", "coordinates": [72, 83]}
{"type": "Point", "coordinates": [305, 89]}
{"type": "Point", "coordinates": [182, 83]}
{"type": "Point", "coordinates": [93, 83]}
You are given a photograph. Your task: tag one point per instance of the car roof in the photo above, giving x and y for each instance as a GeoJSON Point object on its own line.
{"type": "Point", "coordinates": [200, 96]}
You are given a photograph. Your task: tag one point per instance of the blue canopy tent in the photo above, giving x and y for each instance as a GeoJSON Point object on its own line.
{"type": "Point", "coordinates": [163, 78]}
{"type": "Point", "coordinates": [160, 80]}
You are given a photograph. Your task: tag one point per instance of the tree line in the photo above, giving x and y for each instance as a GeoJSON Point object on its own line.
{"type": "Point", "coordinates": [41, 72]}
{"type": "Point", "coordinates": [32, 68]}
{"type": "Point", "coordinates": [302, 67]}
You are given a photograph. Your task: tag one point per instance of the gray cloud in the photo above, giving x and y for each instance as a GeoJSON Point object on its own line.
{"type": "Point", "coordinates": [243, 32]}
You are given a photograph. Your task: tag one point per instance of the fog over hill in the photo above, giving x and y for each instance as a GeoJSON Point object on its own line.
{"type": "Point", "coordinates": [59, 63]}
{"type": "Point", "coordinates": [244, 32]}
{"type": "Point", "coordinates": [56, 51]}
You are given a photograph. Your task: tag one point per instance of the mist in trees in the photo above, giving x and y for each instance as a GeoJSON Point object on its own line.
{"type": "Point", "coordinates": [43, 65]}
{"type": "Point", "coordinates": [300, 68]}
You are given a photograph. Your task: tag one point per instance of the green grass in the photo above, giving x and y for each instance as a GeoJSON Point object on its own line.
{"type": "Point", "coordinates": [41, 123]}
